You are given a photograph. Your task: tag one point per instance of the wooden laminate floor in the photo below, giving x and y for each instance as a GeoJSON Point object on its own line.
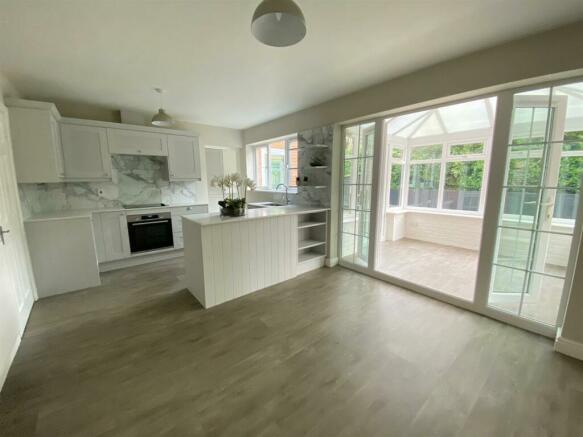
{"type": "Point", "coordinates": [330, 353]}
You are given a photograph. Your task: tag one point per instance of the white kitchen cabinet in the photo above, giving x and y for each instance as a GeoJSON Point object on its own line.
{"type": "Point", "coordinates": [219, 162]}
{"type": "Point", "coordinates": [183, 158]}
{"type": "Point", "coordinates": [133, 142]}
{"type": "Point", "coordinates": [34, 126]}
{"type": "Point", "coordinates": [85, 152]}
{"type": "Point", "coordinates": [177, 213]}
{"type": "Point", "coordinates": [112, 241]}
{"type": "Point", "coordinates": [62, 255]}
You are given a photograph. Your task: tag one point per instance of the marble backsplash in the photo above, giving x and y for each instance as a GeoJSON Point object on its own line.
{"type": "Point", "coordinates": [316, 190]}
{"type": "Point", "coordinates": [135, 180]}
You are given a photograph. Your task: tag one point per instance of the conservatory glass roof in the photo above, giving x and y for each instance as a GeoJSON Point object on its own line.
{"type": "Point", "coordinates": [479, 114]}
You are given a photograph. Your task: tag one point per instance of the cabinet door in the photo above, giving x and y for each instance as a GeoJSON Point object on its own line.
{"type": "Point", "coordinates": [36, 145]}
{"type": "Point", "coordinates": [85, 152]}
{"type": "Point", "coordinates": [114, 234]}
{"type": "Point", "coordinates": [129, 142]}
{"type": "Point", "coordinates": [183, 158]}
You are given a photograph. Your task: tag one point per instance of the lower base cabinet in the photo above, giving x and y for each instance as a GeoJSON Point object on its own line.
{"type": "Point", "coordinates": [63, 255]}
{"type": "Point", "coordinates": [111, 236]}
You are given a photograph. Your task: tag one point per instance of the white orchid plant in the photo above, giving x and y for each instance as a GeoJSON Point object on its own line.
{"type": "Point", "coordinates": [234, 188]}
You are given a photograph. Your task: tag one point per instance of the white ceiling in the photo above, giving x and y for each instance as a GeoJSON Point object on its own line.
{"type": "Point", "coordinates": [113, 52]}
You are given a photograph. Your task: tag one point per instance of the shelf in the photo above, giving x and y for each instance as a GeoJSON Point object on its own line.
{"type": "Point", "coordinates": [312, 186]}
{"type": "Point", "coordinates": [306, 244]}
{"type": "Point", "coordinates": [314, 146]}
{"type": "Point", "coordinates": [305, 225]}
{"type": "Point", "coordinates": [309, 256]}
{"type": "Point", "coordinates": [317, 166]}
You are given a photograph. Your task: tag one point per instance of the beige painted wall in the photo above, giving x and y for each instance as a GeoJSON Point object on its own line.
{"type": "Point", "coordinates": [539, 55]}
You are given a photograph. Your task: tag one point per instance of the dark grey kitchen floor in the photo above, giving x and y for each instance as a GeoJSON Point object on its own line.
{"type": "Point", "coordinates": [330, 353]}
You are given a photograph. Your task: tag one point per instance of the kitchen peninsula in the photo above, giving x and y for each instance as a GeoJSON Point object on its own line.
{"type": "Point", "coordinates": [229, 257]}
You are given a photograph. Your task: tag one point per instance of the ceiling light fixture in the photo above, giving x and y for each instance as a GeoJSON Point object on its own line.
{"type": "Point", "coordinates": [278, 23]}
{"type": "Point", "coordinates": [161, 118]}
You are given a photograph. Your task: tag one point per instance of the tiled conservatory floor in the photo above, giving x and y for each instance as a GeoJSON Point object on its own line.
{"type": "Point", "coordinates": [452, 270]}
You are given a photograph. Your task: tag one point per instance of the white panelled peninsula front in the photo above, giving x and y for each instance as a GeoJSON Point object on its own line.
{"type": "Point", "coordinates": [226, 258]}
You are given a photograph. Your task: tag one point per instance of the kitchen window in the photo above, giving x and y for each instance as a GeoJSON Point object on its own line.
{"type": "Point", "coordinates": [276, 162]}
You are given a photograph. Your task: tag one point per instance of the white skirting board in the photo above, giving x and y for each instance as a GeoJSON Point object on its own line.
{"type": "Point", "coordinates": [569, 347]}
{"type": "Point", "coordinates": [331, 262]}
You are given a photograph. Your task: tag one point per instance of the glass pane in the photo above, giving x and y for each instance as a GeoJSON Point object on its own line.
{"type": "Point", "coordinates": [513, 248]}
{"type": "Point", "coordinates": [363, 197]}
{"type": "Point", "coordinates": [351, 141]}
{"type": "Point", "coordinates": [348, 221]}
{"type": "Point", "coordinates": [524, 165]}
{"type": "Point", "coordinates": [361, 251]}
{"type": "Point", "coordinates": [349, 196]}
{"type": "Point", "coordinates": [365, 171]}
{"type": "Point", "coordinates": [396, 152]}
{"type": "Point", "coordinates": [348, 247]}
{"type": "Point", "coordinates": [395, 185]}
{"type": "Point", "coordinates": [362, 223]}
{"type": "Point", "coordinates": [463, 184]}
{"type": "Point", "coordinates": [350, 171]}
{"type": "Point", "coordinates": [520, 206]}
{"type": "Point", "coordinates": [261, 166]}
{"type": "Point", "coordinates": [530, 118]}
{"type": "Point", "coordinates": [543, 299]}
{"type": "Point", "coordinates": [366, 145]}
{"type": "Point", "coordinates": [507, 286]}
{"type": "Point", "coordinates": [508, 280]}
{"type": "Point", "coordinates": [427, 152]}
{"type": "Point", "coordinates": [293, 177]}
{"type": "Point", "coordinates": [277, 163]}
{"type": "Point", "coordinates": [424, 185]}
{"type": "Point", "coordinates": [466, 149]}
{"type": "Point", "coordinates": [566, 204]}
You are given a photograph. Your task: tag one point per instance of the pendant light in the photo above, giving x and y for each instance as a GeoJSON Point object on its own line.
{"type": "Point", "coordinates": [278, 23]}
{"type": "Point", "coordinates": [161, 118]}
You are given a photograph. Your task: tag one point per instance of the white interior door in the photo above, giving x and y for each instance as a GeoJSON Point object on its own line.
{"type": "Point", "coordinates": [16, 280]}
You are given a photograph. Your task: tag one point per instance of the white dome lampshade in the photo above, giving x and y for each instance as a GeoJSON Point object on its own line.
{"type": "Point", "coordinates": [161, 118]}
{"type": "Point", "coordinates": [278, 23]}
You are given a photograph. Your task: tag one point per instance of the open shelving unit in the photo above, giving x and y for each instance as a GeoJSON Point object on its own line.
{"type": "Point", "coordinates": [312, 240]}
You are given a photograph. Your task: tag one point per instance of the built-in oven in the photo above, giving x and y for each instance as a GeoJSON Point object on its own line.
{"type": "Point", "coordinates": [150, 231]}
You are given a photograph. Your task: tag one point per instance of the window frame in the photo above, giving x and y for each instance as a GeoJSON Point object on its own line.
{"type": "Point", "coordinates": [484, 137]}
{"type": "Point", "coordinates": [288, 140]}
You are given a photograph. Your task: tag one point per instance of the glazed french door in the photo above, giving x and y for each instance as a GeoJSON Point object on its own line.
{"type": "Point", "coordinates": [356, 193]}
{"type": "Point", "coordinates": [540, 204]}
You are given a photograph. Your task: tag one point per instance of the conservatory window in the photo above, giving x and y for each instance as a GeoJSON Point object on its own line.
{"type": "Point", "coordinates": [446, 176]}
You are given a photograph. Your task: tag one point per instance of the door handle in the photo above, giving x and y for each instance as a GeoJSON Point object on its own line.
{"type": "Point", "coordinates": [2, 232]}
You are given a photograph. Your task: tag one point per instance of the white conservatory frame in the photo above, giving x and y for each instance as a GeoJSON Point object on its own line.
{"type": "Point", "coordinates": [491, 206]}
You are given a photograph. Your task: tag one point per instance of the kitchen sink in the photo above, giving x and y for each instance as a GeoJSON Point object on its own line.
{"type": "Point", "coordinates": [264, 204]}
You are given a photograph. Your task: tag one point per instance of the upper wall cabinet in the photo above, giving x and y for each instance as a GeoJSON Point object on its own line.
{"type": "Point", "coordinates": [183, 158]}
{"type": "Point", "coordinates": [134, 142]}
{"type": "Point", "coordinates": [85, 152]}
{"type": "Point", "coordinates": [36, 141]}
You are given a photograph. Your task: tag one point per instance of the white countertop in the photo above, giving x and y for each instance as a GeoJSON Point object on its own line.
{"type": "Point", "coordinates": [86, 213]}
{"type": "Point", "coordinates": [253, 214]}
